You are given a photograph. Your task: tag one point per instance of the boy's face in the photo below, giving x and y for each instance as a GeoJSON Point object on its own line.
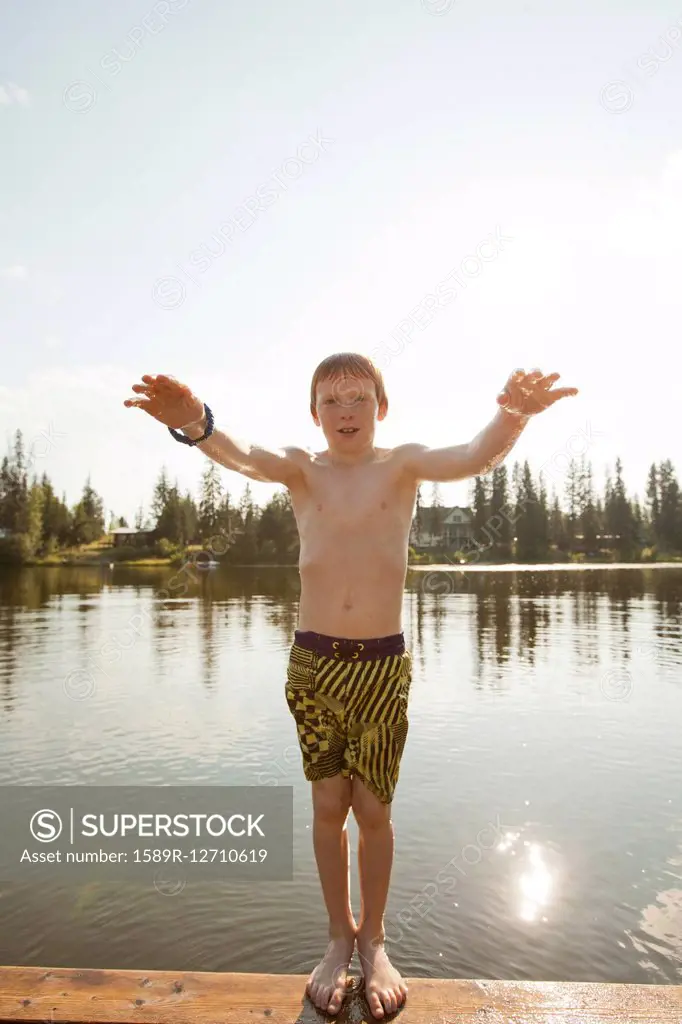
{"type": "Point", "coordinates": [348, 401]}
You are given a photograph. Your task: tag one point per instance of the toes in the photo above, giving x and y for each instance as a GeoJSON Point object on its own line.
{"type": "Point", "coordinates": [334, 1004]}
{"type": "Point", "coordinates": [390, 1002]}
{"type": "Point", "coordinates": [375, 1005]}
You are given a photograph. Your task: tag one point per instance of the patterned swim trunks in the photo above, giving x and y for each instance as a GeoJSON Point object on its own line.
{"type": "Point", "coordinates": [349, 699]}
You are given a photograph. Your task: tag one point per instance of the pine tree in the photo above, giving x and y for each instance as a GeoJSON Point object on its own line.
{"type": "Point", "coordinates": [619, 517]}
{"type": "Point", "coordinates": [56, 519]}
{"type": "Point", "coordinates": [587, 512]}
{"type": "Point", "coordinates": [572, 491]}
{"type": "Point", "coordinates": [530, 519]}
{"type": "Point", "coordinates": [160, 498]}
{"type": "Point", "coordinates": [34, 531]}
{"type": "Point", "coordinates": [171, 523]}
{"type": "Point", "coordinates": [190, 519]}
{"type": "Point", "coordinates": [482, 539]}
{"type": "Point", "coordinates": [500, 518]}
{"type": "Point", "coordinates": [557, 534]}
{"type": "Point", "coordinates": [639, 523]}
{"type": "Point", "coordinates": [224, 535]}
{"type": "Point", "coordinates": [653, 505]}
{"type": "Point", "coordinates": [245, 549]}
{"type": "Point", "coordinates": [670, 516]}
{"type": "Point", "coordinates": [88, 517]}
{"type": "Point", "coordinates": [14, 489]}
{"type": "Point", "coordinates": [542, 520]}
{"type": "Point", "coordinates": [210, 501]}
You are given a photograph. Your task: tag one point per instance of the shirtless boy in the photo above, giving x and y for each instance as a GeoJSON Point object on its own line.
{"type": "Point", "coordinates": [349, 673]}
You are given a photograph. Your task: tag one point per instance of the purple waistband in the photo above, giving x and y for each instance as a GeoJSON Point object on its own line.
{"type": "Point", "coordinates": [350, 650]}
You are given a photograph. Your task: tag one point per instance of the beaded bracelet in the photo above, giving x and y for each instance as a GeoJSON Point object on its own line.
{"type": "Point", "coordinates": [197, 440]}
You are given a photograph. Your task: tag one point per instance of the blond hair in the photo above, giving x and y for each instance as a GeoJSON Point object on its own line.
{"type": "Point", "coordinates": [354, 365]}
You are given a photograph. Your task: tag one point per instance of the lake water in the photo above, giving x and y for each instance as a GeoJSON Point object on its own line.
{"type": "Point", "coordinates": [538, 814]}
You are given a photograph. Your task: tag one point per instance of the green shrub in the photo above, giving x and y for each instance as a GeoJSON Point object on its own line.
{"type": "Point", "coordinates": [17, 549]}
{"type": "Point", "coordinates": [165, 548]}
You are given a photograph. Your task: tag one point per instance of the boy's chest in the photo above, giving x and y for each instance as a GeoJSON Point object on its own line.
{"type": "Point", "coordinates": [362, 497]}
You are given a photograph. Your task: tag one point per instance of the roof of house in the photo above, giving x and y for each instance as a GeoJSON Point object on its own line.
{"type": "Point", "coordinates": [447, 515]}
{"type": "Point", "coordinates": [130, 529]}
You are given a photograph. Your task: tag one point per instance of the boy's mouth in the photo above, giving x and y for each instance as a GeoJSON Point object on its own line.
{"type": "Point", "coordinates": [348, 430]}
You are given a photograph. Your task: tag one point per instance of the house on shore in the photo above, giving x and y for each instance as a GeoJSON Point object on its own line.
{"type": "Point", "coordinates": [127, 535]}
{"type": "Point", "coordinates": [442, 528]}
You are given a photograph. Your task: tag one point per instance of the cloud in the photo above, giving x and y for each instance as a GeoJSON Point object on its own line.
{"type": "Point", "coordinates": [13, 93]}
{"type": "Point", "coordinates": [15, 273]}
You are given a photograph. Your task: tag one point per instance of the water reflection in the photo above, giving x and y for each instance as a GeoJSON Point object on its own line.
{"type": "Point", "coordinates": [514, 616]}
{"type": "Point", "coordinates": [516, 613]}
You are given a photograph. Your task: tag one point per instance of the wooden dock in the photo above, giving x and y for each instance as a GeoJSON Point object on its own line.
{"type": "Point", "coordinates": [60, 995]}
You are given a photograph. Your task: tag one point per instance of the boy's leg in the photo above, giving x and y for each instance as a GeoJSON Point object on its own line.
{"type": "Point", "coordinates": [385, 988]}
{"type": "Point", "coordinates": [331, 804]}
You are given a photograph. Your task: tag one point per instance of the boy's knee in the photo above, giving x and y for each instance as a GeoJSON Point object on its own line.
{"type": "Point", "coordinates": [331, 801]}
{"type": "Point", "coordinates": [370, 812]}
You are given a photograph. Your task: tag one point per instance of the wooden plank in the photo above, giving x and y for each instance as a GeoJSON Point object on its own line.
{"type": "Point", "coordinates": [61, 995]}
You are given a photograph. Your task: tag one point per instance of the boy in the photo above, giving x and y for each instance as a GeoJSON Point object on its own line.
{"type": "Point", "coordinates": [349, 673]}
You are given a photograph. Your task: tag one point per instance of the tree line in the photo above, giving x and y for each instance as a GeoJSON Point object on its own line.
{"type": "Point", "coordinates": [513, 517]}
{"type": "Point", "coordinates": [516, 519]}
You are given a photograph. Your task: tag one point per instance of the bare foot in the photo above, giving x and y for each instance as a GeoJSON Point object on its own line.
{"type": "Point", "coordinates": [384, 987]}
{"type": "Point", "coordinates": [327, 984]}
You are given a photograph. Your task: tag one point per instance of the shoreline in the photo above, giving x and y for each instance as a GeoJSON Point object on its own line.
{"type": "Point", "coordinates": [545, 566]}
{"type": "Point", "coordinates": [464, 568]}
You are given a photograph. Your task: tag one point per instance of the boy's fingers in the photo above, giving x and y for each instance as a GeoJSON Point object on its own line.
{"type": "Point", "coordinates": [562, 393]}
{"type": "Point", "coordinates": [169, 385]}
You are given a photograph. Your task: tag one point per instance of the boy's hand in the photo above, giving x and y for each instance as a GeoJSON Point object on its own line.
{"type": "Point", "coordinates": [168, 401]}
{"type": "Point", "coordinates": [526, 394]}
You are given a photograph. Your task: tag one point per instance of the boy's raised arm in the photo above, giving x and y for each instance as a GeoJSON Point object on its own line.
{"type": "Point", "coordinates": [524, 395]}
{"type": "Point", "coordinates": [173, 404]}
{"type": "Point", "coordinates": [280, 465]}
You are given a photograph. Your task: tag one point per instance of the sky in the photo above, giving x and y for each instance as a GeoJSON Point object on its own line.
{"type": "Point", "coordinates": [228, 193]}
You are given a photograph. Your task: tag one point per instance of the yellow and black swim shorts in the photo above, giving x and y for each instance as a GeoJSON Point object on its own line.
{"type": "Point", "coordinates": [349, 699]}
